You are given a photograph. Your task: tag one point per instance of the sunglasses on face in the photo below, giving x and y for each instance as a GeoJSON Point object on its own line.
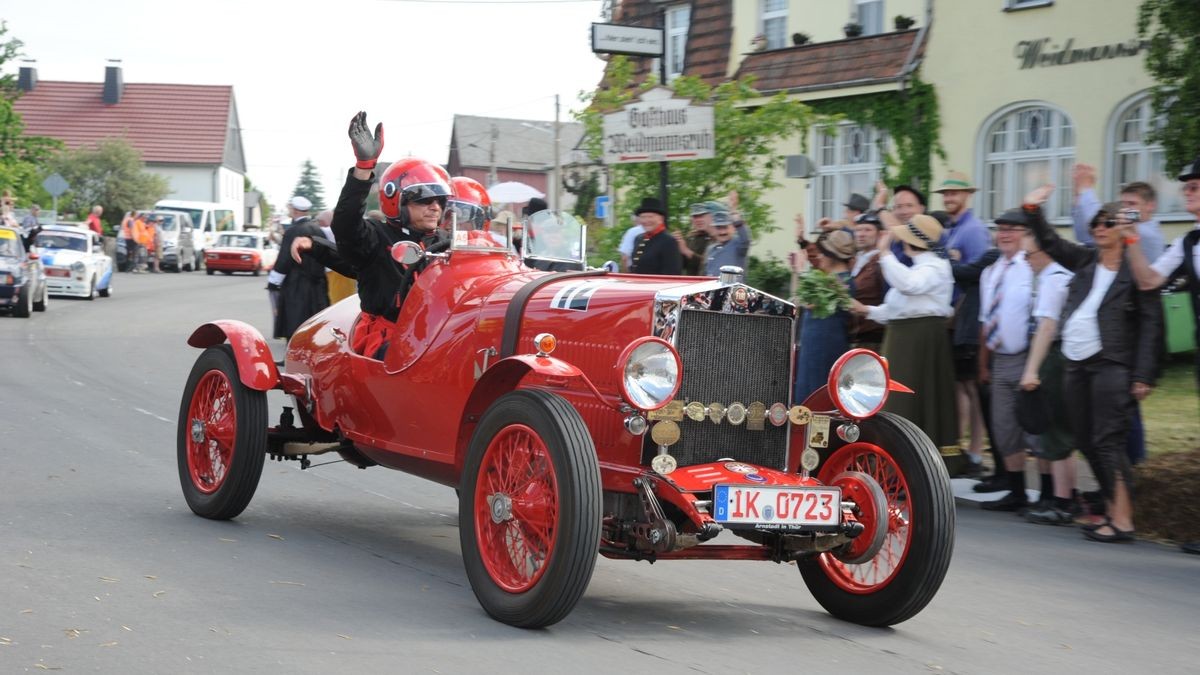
{"type": "Point", "coordinates": [1189, 188]}
{"type": "Point", "coordinates": [440, 201]}
{"type": "Point", "coordinates": [1106, 223]}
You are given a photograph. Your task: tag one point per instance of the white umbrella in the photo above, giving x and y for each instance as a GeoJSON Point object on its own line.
{"type": "Point", "coordinates": [513, 192]}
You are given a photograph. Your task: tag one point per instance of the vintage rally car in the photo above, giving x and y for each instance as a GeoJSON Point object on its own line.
{"type": "Point", "coordinates": [22, 280]}
{"type": "Point", "coordinates": [241, 252]}
{"type": "Point", "coordinates": [75, 261]}
{"type": "Point", "coordinates": [584, 413]}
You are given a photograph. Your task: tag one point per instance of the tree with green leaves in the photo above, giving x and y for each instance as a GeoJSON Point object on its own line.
{"type": "Point", "coordinates": [112, 175]}
{"type": "Point", "coordinates": [309, 185]}
{"type": "Point", "coordinates": [21, 155]}
{"type": "Point", "coordinates": [747, 131]}
{"type": "Point", "coordinates": [1173, 60]}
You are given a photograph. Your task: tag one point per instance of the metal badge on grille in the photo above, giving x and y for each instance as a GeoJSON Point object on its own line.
{"type": "Point", "coordinates": [809, 459]}
{"type": "Point", "coordinates": [695, 411]}
{"type": "Point", "coordinates": [672, 411]}
{"type": "Point", "coordinates": [778, 414]}
{"type": "Point", "coordinates": [716, 411]}
{"type": "Point", "coordinates": [665, 432]}
{"type": "Point", "coordinates": [799, 415]}
{"type": "Point", "coordinates": [663, 464]}
{"type": "Point", "coordinates": [736, 413]}
{"type": "Point", "coordinates": [756, 414]}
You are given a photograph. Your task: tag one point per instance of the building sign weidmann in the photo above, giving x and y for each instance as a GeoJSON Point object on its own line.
{"type": "Point", "coordinates": [659, 128]}
{"type": "Point", "coordinates": [1035, 53]}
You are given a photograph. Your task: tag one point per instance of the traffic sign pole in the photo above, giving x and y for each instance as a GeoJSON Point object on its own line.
{"type": "Point", "coordinates": [663, 171]}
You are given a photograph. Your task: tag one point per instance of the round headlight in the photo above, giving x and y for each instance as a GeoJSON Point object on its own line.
{"type": "Point", "coordinates": [78, 267]}
{"type": "Point", "coordinates": [858, 383]}
{"type": "Point", "coordinates": [650, 373]}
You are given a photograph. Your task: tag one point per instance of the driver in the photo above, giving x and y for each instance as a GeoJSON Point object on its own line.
{"type": "Point", "coordinates": [412, 196]}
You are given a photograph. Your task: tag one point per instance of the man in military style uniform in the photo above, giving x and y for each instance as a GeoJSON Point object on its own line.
{"type": "Point", "coordinates": [693, 245]}
{"type": "Point", "coordinates": [655, 251]}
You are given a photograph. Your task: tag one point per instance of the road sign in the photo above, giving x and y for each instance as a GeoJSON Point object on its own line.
{"type": "Point", "coordinates": [602, 207]}
{"type": "Point", "coordinates": [612, 38]}
{"type": "Point", "coordinates": [659, 128]}
{"type": "Point", "coordinates": [55, 185]}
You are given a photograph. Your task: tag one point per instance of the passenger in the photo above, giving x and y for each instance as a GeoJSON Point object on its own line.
{"type": "Point", "coordinates": [412, 195]}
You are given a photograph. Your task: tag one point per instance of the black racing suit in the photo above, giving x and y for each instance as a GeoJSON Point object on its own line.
{"type": "Point", "coordinates": [366, 246]}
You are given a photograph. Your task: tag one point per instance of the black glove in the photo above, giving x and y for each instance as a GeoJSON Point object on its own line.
{"type": "Point", "coordinates": [272, 287]}
{"type": "Point", "coordinates": [366, 148]}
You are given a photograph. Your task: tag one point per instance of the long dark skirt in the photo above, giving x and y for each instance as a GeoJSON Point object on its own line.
{"type": "Point", "coordinates": [919, 357]}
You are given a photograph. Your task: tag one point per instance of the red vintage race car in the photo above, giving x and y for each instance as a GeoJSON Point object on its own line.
{"type": "Point", "coordinates": [588, 412]}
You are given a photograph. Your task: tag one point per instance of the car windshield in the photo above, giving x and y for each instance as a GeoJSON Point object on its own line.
{"type": "Point", "coordinates": [168, 223]}
{"type": "Point", "coordinates": [554, 235]}
{"type": "Point", "coordinates": [196, 214]}
{"type": "Point", "coordinates": [238, 241]}
{"type": "Point", "coordinates": [63, 240]}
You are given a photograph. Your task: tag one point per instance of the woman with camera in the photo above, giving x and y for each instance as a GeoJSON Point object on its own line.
{"type": "Point", "coordinates": [1110, 334]}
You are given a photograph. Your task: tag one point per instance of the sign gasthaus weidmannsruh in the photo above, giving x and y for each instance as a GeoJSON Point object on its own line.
{"type": "Point", "coordinates": [659, 128]}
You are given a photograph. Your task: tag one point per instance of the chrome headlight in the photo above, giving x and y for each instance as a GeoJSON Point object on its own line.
{"type": "Point", "coordinates": [650, 373]}
{"type": "Point", "coordinates": [858, 383]}
{"type": "Point", "coordinates": [78, 267]}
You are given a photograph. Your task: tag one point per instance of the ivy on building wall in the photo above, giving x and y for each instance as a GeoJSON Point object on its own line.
{"type": "Point", "coordinates": [909, 118]}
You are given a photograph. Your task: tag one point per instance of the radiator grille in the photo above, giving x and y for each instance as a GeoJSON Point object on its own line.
{"type": "Point", "coordinates": [726, 358]}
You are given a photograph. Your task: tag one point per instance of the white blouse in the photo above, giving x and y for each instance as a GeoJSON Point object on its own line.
{"type": "Point", "coordinates": [918, 291]}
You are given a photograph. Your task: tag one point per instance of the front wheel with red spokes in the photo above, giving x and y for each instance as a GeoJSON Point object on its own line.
{"type": "Point", "coordinates": [915, 526]}
{"type": "Point", "coordinates": [222, 437]}
{"type": "Point", "coordinates": [530, 508]}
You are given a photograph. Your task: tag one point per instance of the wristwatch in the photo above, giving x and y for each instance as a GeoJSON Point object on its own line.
{"type": "Point", "coordinates": [1132, 239]}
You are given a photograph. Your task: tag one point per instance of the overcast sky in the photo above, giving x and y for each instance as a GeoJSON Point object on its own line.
{"type": "Point", "coordinates": [301, 69]}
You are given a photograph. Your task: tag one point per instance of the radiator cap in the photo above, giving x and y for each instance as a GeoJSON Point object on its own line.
{"type": "Point", "coordinates": [731, 274]}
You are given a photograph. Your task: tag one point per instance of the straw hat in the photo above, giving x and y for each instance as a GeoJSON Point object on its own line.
{"type": "Point", "coordinates": [956, 180]}
{"type": "Point", "coordinates": [922, 231]}
{"type": "Point", "coordinates": [837, 244]}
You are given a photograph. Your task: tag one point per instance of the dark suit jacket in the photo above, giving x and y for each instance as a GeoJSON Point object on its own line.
{"type": "Point", "coordinates": [869, 290]}
{"type": "Point", "coordinates": [657, 255]}
{"type": "Point", "coordinates": [1130, 320]}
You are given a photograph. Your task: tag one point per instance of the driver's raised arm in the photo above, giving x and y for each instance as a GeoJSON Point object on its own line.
{"type": "Point", "coordinates": [358, 243]}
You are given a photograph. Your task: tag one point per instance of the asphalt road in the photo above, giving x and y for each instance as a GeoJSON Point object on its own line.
{"type": "Point", "coordinates": [104, 569]}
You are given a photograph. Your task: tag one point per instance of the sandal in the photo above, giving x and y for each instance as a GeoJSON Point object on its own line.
{"type": "Point", "coordinates": [1116, 536]}
{"type": "Point", "coordinates": [1092, 527]}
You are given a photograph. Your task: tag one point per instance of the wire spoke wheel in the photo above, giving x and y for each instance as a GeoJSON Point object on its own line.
{"type": "Point", "coordinates": [530, 509]}
{"type": "Point", "coordinates": [911, 531]}
{"type": "Point", "coordinates": [221, 437]}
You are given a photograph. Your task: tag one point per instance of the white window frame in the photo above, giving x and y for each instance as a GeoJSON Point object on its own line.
{"type": "Point", "coordinates": [839, 171]}
{"type": "Point", "coordinates": [870, 30]}
{"type": "Point", "coordinates": [1059, 156]}
{"type": "Point", "coordinates": [673, 32]}
{"type": "Point", "coordinates": [1147, 155]}
{"type": "Point", "coordinates": [765, 15]}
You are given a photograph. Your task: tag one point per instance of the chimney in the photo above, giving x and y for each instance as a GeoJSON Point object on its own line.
{"type": "Point", "coordinates": [114, 85]}
{"type": "Point", "coordinates": [27, 76]}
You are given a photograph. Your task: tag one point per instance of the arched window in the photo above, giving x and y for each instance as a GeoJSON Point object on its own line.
{"type": "Point", "coordinates": [1134, 158]}
{"type": "Point", "coordinates": [849, 160]}
{"type": "Point", "coordinates": [1021, 148]}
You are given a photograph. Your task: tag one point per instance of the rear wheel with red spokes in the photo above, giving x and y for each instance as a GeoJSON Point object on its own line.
{"type": "Point", "coordinates": [221, 437]}
{"type": "Point", "coordinates": [898, 581]}
{"type": "Point", "coordinates": [529, 509]}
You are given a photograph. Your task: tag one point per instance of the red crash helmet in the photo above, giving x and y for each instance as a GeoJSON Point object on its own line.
{"type": "Point", "coordinates": [410, 180]}
{"type": "Point", "coordinates": [470, 204]}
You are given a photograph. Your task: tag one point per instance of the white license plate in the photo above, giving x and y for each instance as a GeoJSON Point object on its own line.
{"type": "Point", "coordinates": [777, 505]}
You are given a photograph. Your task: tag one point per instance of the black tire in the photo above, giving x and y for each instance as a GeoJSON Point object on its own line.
{"type": "Point", "coordinates": [930, 506]}
{"type": "Point", "coordinates": [237, 484]}
{"type": "Point", "coordinates": [92, 290]}
{"type": "Point", "coordinates": [209, 271]}
{"type": "Point", "coordinates": [258, 270]}
{"type": "Point", "coordinates": [40, 305]}
{"type": "Point", "coordinates": [24, 307]}
{"type": "Point", "coordinates": [570, 562]}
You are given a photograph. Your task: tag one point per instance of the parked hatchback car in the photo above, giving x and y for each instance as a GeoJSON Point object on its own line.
{"type": "Point", "coordinates": [233, 252]}
{"type": "Point", "coordinates": [75, 262]}
{"type": "Point", "coordinates": [22, 280]}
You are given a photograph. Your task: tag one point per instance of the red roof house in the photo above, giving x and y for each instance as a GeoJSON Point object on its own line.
{"type": "Point", "coordinates": [188, 133]}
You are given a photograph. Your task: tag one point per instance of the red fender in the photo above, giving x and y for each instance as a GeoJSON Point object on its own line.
{"type": "Point", "coordinates": [502, 377]}
{"type": "Point", "coordinates": [256, 365]}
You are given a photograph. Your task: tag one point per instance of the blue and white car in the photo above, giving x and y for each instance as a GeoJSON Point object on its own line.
{"type": "Point", "coordinates": [75, 262]}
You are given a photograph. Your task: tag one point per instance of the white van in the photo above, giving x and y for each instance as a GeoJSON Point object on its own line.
{"type": "Point", "coordinates": [208, 220]}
